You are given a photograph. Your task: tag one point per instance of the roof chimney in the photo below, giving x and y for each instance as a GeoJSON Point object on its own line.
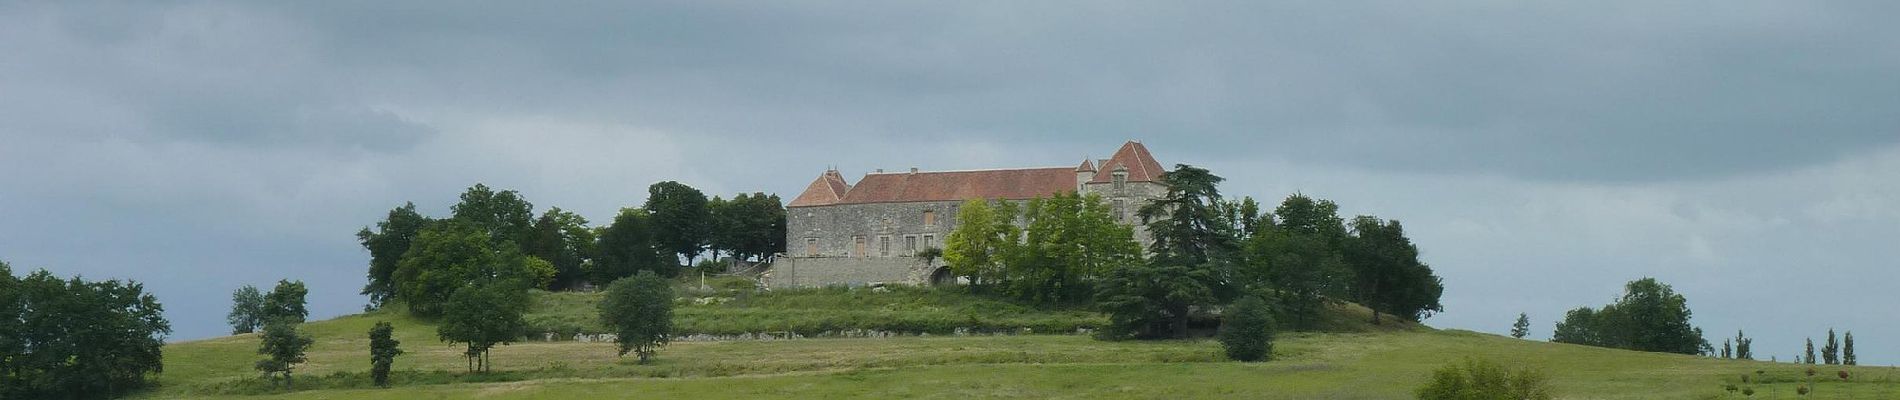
{"type": "Point", "coordinates": [880, 170]}
{"type": "Point", "coordinates": [913, 170]}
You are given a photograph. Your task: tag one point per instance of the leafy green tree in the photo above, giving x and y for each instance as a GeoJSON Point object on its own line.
{"type": "Point", "coordinates": [1809, 354]}
{"type": "Point", "coordinates": [640, 310]}
{"type": "Point", "coordinates": [1189, 262]}
{"type": "Point", "coordinates": [1070, 242]}
{"type": "Point", "coordinates": [1728, 349]}
{"type": "Point", "coordinates": [1186, 226]}
{"type": "Point", "coordinates": [286, 301]}
{"type": "Point", "coordinates": [1742, 346]}
{"type": "Point", "coordinates": [563, 240]}
{"type": "Point", "coordinates": [382, 351]}
{"type": "Point", "coordinates": [1584, 326]}
{"type": "Point", "coordinates": [284, 347]}
{"type": "Point", "coordinates": [247, 310]}
{"type": "Point", "coordinates": [1151, 300]}
{"type": "Point", "coordinates": [682, 223]}
{"type": "Point", "coordinates": [1476, 379]}
{"type": "Point", "coordinates": [1246, 331]}
{"type": "Point", "coordinates": [722, 227]}
{"type": "Point", "coordinates": [1847, 350]}
{"type": "Point", "coordinates": [386, 246]}
{"type": "Point", "coordinates": [1831, 353]}
{"type": "Point", "coordinates": [626, 247]}
{"type": "Point", "coordinates": [1522, 327]}
{"type": "Point", "coordinates": [1650, 316]}
{"type": "Point", "coordinates": [483, 316]}
{"type": "Point", "coordinates": [78, 339]}
{"type": "Point", "coordinates": [1387, 275]}
{"type": "Point", "coordinates": [1301, 270]}
{"type": "Point", "coordinates": [983, 239]}
{"type": "Point", "coordinates": [451, 255]}
{"type": "Point", "coordinates": [750, 226]}
{"type": "Point", "coordinates": [12, 334]}
{"type": "Point", "coordinates": [504, 216]}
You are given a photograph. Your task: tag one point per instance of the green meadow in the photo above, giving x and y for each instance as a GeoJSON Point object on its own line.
{"type": "Point", "coordinates": [1351, 360]}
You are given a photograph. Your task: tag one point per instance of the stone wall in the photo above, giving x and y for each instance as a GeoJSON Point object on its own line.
{"type": "Point", "coordinates": [792, 272]}
{"type": "Point", "coordinates": [821, 244]}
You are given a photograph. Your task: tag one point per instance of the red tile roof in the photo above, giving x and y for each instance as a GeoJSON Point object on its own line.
{"type": "Point", "coordinates": [827, 189]}
{"type": "Point", "coordinates": [961, 185]}
{"type": "Point", "coordinates": [1087, 166]}
{"type": "Point", "coordinates": [1142, 166]}
{"type": "Point", "coordinates": [1014, 184]}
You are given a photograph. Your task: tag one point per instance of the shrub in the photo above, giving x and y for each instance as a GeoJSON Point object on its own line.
{"type": "Point", "coordinates": [1246, 332]}
{"type": "Point", "coordinates": [1476, 379]}
{"type": "Point", "coordinates": [382, 351]}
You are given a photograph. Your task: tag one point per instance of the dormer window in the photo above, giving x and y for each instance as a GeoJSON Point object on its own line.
{"type": "Point", "coordinates": [1121, 180]}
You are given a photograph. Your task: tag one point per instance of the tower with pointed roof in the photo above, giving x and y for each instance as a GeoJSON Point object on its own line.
{"type": "Point", "coordinates": [839, 233]}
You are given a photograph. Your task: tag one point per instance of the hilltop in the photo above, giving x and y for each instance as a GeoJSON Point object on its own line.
{"type": "Point", "coordinates": [1352, 360]}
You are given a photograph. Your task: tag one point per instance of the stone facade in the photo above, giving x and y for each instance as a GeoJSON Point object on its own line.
{"type": "Point", "coordinates": [840, 234]}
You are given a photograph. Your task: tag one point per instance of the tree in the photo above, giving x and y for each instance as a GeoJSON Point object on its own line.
{"type": "Point", "coordinates": [1582, 326]}
{"type": "Point", "coordinates": [1650, 316]}
{"type": "Point", "coordinates": [483, 316]}
{"type": "Point", "coordinates": [563, 240]}
{"type": "Point", "coordinates": [286, 301]}
{"type": "Point", "coordinates": [77, 339]}
{"type": "Point", "coordinates": [1301, 270]}
{"type": "Point", "coordinates": [1151, 300]}
{"type": "Point", "coordinates": [284, 348]}
{"type": "Point", "coordinates": [386, 246]}
{"type": "Point", "coordinates": [1246, 332]}
{"type": "Point", "coordinates": [1728, 349]}
{"type": "Point", "coordinates": [982, 240]}
{"type": "Point", "coordinates": [1070, 242]}
{"type": "Point", "coordinates": [1831, 353]}
{"type": "Point", "coordinates": [1387, 274]}
{"type": "Point", "coordinates": [382, 351]}
{"type": "Point", "coordinates": [247, 310]}
{"type": "Point", "coordinates": [640, 310]}
{"type": "Point", "coordinates": [1847, 349]}
{"type": "Point", "coordinates": [627, 247]}
{"type": "Point", "coordinates": [1186, 227]}
{"type": "Point", "coordinates": [1522, 327]}
{"type": "Point", "coordinates": [750, 226]}
{"type": "Point", "coordinates": [504, 216]}
{"type": "Point", "coordinates": [681, 220]}
{"type": "Point", "coordinates": [1743, 346]}
{"type": "Point", "coordinates": [453, 254]}
{"type": "Point", "coordinates": [1809, 353]}
{"type": "Point", "coordinates": [12, 334]}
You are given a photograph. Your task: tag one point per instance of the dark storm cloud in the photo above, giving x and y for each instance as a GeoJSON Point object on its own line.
{"type": "Point", "coordinates": [1629, 92]}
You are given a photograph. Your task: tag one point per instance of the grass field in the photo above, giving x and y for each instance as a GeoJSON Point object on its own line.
{"type": "Point", "coordinates": [1382, 363]}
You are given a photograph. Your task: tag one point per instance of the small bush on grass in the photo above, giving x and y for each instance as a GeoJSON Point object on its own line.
{"type": "Point", "coordinates": [1246, 331]}
{"type": "Point", "coordinates": [1476, 379]}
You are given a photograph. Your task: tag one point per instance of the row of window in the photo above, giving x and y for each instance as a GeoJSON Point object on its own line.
{"type": "Point", "coordinates": [912, 244]}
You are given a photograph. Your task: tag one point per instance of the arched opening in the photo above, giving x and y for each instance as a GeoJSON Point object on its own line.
{"type": "Point", "coordinates": [942, 276]}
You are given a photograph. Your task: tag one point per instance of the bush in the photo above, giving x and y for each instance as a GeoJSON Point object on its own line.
{"type": "Point", "coordinates": [1484, 380]}
{"type": "Point", "coordinates": [1246, 332]}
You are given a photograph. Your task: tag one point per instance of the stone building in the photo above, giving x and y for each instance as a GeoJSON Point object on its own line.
{"type": "Point", "coordinates": [838, 233]}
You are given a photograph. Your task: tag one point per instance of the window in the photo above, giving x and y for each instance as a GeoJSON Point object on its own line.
{"type": "Point", "coordinates": [883, 246]}
{"type": "Point", "coordinates": [1121, 210]}
{"type": "Point", "coordinates": [811, 247]}
{"type": "Point", "coordinates": [858, 246]}
{"type": "Point", "coordinates": [930, 218]}
{"type": "Point", "coordinates": [1121, 180]}
{"type": "Point", "coordinates": [910, 245]}
{"type": "Point", "coordinates": [930, 240]}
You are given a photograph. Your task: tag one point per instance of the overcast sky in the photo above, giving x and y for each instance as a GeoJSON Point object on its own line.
{"type": "Point", "coordinates": [1541, 155]}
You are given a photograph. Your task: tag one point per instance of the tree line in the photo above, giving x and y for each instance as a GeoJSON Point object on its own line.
{"type": "Point", "coordinates": [77, 339]}
{"type": "Point", "coordinates": [1206, 252]}
{"type": "Point", "coordinates": [493, 237]}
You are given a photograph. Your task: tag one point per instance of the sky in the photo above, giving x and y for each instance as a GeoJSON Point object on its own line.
{"type": "Point", "coordinates": [1540, 154]}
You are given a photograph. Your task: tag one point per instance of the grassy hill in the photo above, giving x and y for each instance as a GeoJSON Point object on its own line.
{"type": "Point", "coordinates": [1354, 361]}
